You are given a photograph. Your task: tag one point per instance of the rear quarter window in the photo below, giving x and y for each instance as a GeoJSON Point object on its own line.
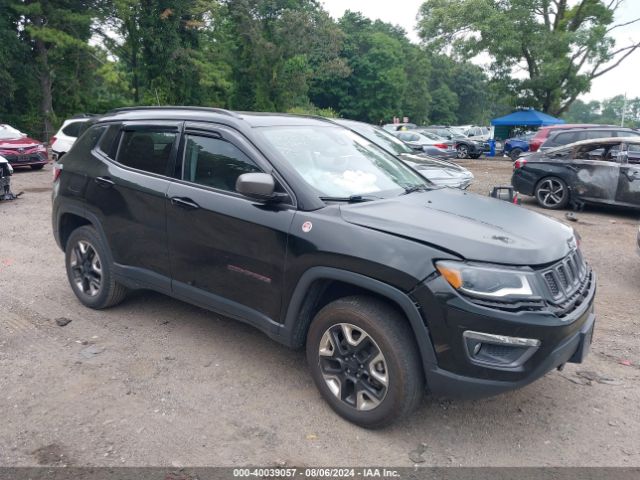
{"type": "Point", "coordinates": [88, 140]}
{"type": "Point", "coordinates": [74, 129]}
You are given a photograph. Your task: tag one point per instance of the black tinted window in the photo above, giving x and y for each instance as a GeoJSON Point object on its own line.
{"type": "Point", "coordinates": [73, 129]}
{"type": "Point", "coordinates": [108, 143]}
{"type": "Point", "coordinates": [88, 139]}
{"type": "Point", "coordinates": [592, 134]}
{"type": "Point", "coordinates": [146, 150]}
{"type": "Point", "coordinates": [215, 162]}
{"type": "Point", "coordinates": [565, 138]}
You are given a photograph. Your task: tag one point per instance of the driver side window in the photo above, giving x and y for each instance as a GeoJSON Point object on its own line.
{"type": "Point", "coordinates": [607, 152]}
{"type": "Point", "coordinates": [214, 162]}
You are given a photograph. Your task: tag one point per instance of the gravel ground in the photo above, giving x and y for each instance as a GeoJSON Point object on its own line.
{"type": "Point", "coordinates": [158, 382]}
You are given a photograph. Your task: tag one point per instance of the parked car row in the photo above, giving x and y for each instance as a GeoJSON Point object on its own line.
{"type": "Point", "coordinates": [559, 135]}
{"type": "Point", "coordinates": [436, 170]}
{"type": "Point", "coordinates": [442, 141]}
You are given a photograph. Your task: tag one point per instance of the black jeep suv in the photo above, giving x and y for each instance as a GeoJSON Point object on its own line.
{"type": "Point", "coordinates": [319, 238]}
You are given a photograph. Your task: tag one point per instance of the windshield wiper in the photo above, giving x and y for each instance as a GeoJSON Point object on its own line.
{"type": "Point", "coordinates": [350, 199]}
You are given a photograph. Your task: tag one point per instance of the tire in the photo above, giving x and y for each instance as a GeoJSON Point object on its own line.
{"type": "Point", "coordinates": [383, 337]}
{"type": "Point", "coordinates": [37, 167]}
{"type": "Point", "coordinates": [463, 151]}
{"type": "Point", "coordinates": [552, 193]}
{"type": "Point", "coordinates": [89, 271]}
{"type": "Point", "coordinates": [515, 153]}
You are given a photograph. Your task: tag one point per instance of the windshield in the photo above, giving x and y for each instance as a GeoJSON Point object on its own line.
{"type": "Point", "coordinates": [340, 163]}
{"type": "Point", "coordinates": [377, 135]}
{"type": "Point", "coordinates": [9, 133]}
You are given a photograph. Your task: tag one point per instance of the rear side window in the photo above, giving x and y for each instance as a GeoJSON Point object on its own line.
{"type": "Point", "coordinates": [593, 134]}
{"type": "Point", "coordinates": [108, 143]}
{"type": "Point", "coordinates": [73, 129]}
{"type": "Point", "coordinates": [214, 162]}
{"type": "Point", "coordinates": [565, 138]}
{"type": "Point", "coordinates": [88, 140]}
{"type": "Point", "coordinates": [146, 150]}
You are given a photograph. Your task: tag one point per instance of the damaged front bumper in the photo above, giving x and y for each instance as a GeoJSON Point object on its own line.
{"type": "Point", "coordinates": [5, 181]}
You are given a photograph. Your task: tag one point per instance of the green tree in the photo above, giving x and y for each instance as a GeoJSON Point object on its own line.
{"type": "Point", "coordinates": [561, 45]}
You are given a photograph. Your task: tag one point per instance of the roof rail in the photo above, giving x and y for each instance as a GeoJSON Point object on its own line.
{"type": "Point", "coordinates": [174, 107]}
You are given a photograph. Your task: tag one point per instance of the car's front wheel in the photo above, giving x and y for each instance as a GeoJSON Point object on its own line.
{"type": "Point", "coordinates": [364, 360]}
{"type": "Point", "coordinates": [515, 154]}
{"type": "Point", "coordinates": [463, 151]}
{"type": "Point", "coordinates": [552, 193]}
{"type": "Point", "coordinates": [89, 272]}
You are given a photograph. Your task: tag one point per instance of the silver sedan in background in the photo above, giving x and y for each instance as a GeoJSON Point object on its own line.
{"type": "Point", "coordinates": [429, 143]}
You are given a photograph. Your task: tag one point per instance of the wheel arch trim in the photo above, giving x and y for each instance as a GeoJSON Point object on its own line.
{"type": "Point", "coordinates": [295, 333]}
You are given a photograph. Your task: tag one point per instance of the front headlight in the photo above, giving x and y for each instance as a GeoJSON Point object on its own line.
{"type": "Point", "coordinates": [488, 281]}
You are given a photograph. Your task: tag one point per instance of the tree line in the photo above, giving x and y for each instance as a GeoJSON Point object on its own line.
{"type": "Point", "coordinates": [63, 57]}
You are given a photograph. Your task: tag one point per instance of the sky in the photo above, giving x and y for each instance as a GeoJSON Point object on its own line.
{"type": "Point", "coordinates": [623, 79]}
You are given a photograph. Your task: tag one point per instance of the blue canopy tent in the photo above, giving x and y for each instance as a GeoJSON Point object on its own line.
{"type": "Point", "coordinates": [521, 118]}
{"type": "Point", "coordinates": [526, 118]}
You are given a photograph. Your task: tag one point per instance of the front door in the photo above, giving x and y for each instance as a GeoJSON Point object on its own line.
{"type": "Point", "coordinates": [227, 252]}
{"type": "Point", "coordinates": [629, 182]}
{"type": "Point", "coordinates": [597, 170]}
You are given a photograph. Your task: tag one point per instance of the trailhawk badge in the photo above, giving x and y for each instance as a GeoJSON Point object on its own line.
{"type": "Point", "coordinates": [306, 227]}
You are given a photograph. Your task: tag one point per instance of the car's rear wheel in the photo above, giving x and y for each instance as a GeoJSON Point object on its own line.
{"type": "Point", "coordinates": [364, 360]}
{"type": "Point", "coordinates": [463, 151]}
{"type": "Point", "coordinates": [37, 167]}
{"type": "Point", "coordinates": [515, 154]}
{"type": "Point", "coordinates": [89, 271]}
{"type": "Point", "coordinates": [552, 193]}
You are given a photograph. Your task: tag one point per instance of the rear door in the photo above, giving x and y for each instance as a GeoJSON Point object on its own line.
{"type": "Point", "coordinates": [629, 182]}
{"type": "Point", "coordinates": [227, 251]}
{"type": "Point", "coordinates": [127, 191]}
{"type": "Point", "coordinates": [597, 171]}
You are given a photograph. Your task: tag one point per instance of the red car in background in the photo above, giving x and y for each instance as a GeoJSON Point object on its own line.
{"type": "Point", "coordinates": [21, 150]}
{"type": "Point", "coordinates": [543, 133]}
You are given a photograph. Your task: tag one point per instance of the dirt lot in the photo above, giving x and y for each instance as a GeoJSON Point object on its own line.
{"type": "Point", "coordinates": [158, 382]}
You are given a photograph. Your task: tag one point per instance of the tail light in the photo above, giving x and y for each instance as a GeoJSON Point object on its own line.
{"type": "Point", "coordinates": [519, 163]}
{"type": "Point", "coordinates": [534, 145]}
{"type": "Point", "coordinates": [52, 140]}
{"type": "Point", "coordinates": [443, 146]}
{"type": "Point", "coordinates": [57, 170]}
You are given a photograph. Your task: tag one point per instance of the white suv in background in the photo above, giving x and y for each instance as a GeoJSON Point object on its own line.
{"type": "Point", "coordinates": [70, 130]}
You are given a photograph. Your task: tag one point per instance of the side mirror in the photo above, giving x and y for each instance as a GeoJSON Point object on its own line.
{"type": "Point", "coordinates": [259, 186]}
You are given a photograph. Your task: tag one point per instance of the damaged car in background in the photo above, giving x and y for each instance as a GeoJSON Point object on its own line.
{"type": "Point", "coordinates": [440, 172]}
{"type": "Point", "coordinates": [605, 171]}
{"type": "Point", "coordinates": [5, 180]}
{"type": "Point", "coordinates": [20, 150]}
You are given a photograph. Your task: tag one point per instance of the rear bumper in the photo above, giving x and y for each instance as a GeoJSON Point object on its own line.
{"type": "Point", "coordinates": [523, 181]}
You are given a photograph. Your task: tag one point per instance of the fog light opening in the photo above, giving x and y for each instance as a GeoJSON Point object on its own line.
{"type": "Point", "coordinates": [499, 351]}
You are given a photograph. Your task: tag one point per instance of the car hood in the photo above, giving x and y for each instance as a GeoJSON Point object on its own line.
{"type": "Point", "coordinates": [469, 225]}
{"type": "Point", "coordinates": [423, 162]}
{"type": "Point", "coordinates": [24, 142]}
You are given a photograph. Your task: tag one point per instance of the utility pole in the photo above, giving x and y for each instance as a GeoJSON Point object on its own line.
{"type": "Point", "coordinates": [624, 109]}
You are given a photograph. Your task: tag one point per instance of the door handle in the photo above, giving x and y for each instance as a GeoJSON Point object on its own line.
{"type": "Point", "coordinates": [184, 203]}
{"type": "Point", "coordinates": [104, 182]}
